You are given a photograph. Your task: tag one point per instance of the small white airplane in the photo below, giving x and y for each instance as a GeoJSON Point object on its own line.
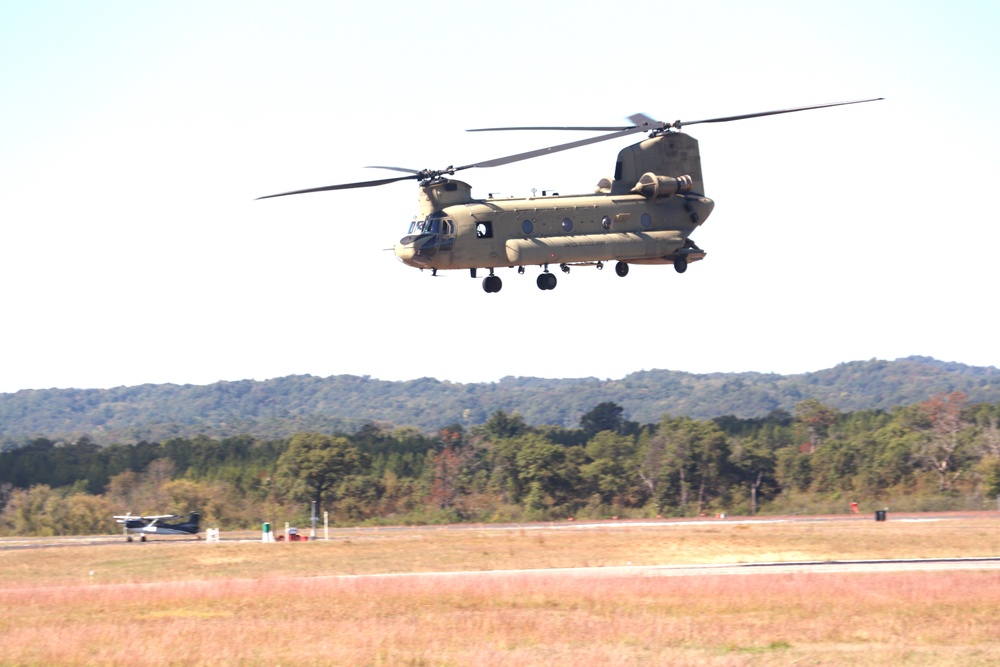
{"type": "Point", "coordinates": [154, 525]}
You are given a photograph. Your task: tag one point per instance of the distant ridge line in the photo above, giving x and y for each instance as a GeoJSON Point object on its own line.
{"type": "Point", "coordinates": [278, 407]}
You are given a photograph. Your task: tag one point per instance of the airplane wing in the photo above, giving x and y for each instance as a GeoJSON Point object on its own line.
{"type": "Point", "coordinates": [137, 517]}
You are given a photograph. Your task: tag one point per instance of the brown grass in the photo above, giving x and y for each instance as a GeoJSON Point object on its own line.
{"type": "Point", "coordinates": [910, 618]}
{"type": "Point", "coordinates": [239, 603]}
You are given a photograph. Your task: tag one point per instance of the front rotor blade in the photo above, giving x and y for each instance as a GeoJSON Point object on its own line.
{"type": "Point", "coordinates": [403, 169]}
{"type": "Point", "coordinates": [582, 129]}
{"type": "Point", "coordinates": [554, 149]}
{"type": "Point", "coordinates": [344, 186]}
{"type": "Point", "coordinates": [725, 119]}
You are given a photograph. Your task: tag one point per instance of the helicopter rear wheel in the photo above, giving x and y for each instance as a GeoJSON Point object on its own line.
{"type": "Point", "coordinates": [546, 281]}
{"type": "Point", "coordinates": [680, 264]}
{"type": "Point", "coordinates": [621, 268]}
{"type": "Point", "coordinates": [492, 284]}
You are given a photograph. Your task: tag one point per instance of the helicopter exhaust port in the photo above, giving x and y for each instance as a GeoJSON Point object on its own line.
{"type": "Point", "coordinates": [655, 186]}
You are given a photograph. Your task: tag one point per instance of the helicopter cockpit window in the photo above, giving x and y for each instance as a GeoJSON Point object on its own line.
{"type": "Point", "coordinates": [484, 230]}
{"type": "Point", "coordinates": [432, 226]}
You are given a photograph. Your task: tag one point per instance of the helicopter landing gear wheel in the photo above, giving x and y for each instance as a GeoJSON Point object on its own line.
{"type": "Point", "coordinates": [680, 264]}
{"type": "Point", "coordinates": [621, 268]}
{"type": "Point", "coordinates": [546, 281]}
{"type": "Point", "coordinates": [492, 284]}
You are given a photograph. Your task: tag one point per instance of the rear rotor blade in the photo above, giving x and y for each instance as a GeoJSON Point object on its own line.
{"type": "Point", "coordinates": [726, 119]}
{"type": "Point", "coordinates": [554, 149]}
{"type": "Point", "coordinates": [638, 120]}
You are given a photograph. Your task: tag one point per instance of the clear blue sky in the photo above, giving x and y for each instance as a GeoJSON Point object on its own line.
{"type": "Point", "coordinates": [134, 138]}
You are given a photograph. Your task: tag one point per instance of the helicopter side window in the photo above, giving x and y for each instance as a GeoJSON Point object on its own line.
{"type": "Point", "coordinates": [448, 227]}
{"type": "Point", "coordinates": [484, 230]}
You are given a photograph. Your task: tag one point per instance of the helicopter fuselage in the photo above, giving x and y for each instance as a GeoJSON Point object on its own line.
{"type": "Point", "coordinates": [644, 216]}
{"type": "Point", "coordinates": [556, 230]}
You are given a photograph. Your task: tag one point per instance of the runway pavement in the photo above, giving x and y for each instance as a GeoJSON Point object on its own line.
{"type": "Point", "coordinates": [627, 571]}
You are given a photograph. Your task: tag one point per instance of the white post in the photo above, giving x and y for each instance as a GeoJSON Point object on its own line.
{"type": "Point", "coordinates": [326, 526]}
{"type": "Point", "coordinates": [312, 522]}
{"type": "Point", "coordinates": [287, 536]}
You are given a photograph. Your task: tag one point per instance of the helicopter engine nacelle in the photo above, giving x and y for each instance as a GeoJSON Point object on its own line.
{"type": "Point", "coordinates": [654, 186]}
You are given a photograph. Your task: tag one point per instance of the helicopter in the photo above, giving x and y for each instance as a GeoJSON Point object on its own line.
{"type": "Point", "coordinates": [644, 215]}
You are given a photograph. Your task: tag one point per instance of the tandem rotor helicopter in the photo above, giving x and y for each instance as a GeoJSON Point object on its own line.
{"type": "Point", "coordinates": [645, 215]}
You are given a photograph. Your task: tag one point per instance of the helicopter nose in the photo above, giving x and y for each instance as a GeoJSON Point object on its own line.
{"type": "Point", "coordinates": [405, 251]}
{"type": "Point", "coordinates": [417, 250]}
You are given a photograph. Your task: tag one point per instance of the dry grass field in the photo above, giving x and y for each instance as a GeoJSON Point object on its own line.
{"type": "Point", "coordinates": [183, 603]}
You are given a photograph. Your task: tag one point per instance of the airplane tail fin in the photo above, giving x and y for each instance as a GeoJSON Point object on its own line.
{"type": "Point", "coordinates": [195, 521]}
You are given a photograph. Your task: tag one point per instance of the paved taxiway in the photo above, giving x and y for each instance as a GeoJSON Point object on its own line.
{"type": "Point", "coordinates": [629, 571]}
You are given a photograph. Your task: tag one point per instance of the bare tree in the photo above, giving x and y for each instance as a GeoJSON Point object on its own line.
{"type": "Point", "coordinates": [940, 448]}
{"type": "Point", "coordinates": [817, 418]}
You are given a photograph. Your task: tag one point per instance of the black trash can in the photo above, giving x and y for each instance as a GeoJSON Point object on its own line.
{"type": "Point", "coordinates": [880, 515]}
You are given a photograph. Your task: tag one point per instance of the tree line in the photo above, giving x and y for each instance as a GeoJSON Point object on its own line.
{"type": "Point", "coordinates": [942, 453]}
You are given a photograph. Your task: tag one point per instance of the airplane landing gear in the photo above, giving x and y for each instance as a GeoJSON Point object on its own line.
{"type": "Point", "coordinates": [492, 283]}
{"type": "Point", "coordinates": [546, 281]}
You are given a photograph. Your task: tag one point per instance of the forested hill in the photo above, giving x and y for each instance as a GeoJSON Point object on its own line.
{"type": "Point", "coordinates": [282, 406]}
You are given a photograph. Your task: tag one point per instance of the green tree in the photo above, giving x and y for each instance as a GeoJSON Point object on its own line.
{"type": "Point", "coordinates": [756, 465]}
{"type": "Point", "coordinates": [694, 461]}
{"type": "Point", "coordinates": [547, 472]}
{"type": "Point", "coordinates": [501, 425]}
{"type": "Point", "coordinates": [606, 416]}
{"type": "Point", "coordinates": [315, 465]}
{"type": "Point", "coordinates": [612, 473]}
{"type": "Point", "coordinates": [794, 469]}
